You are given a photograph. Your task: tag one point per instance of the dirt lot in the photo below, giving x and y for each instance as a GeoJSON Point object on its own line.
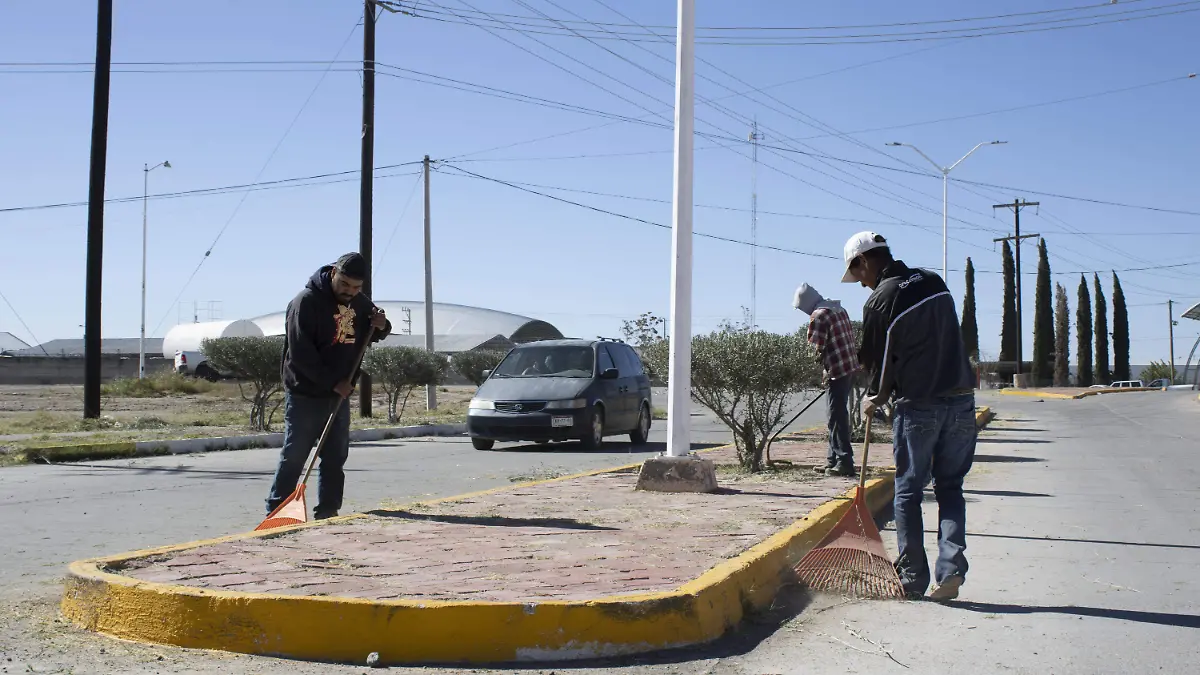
{"type": "Point", "coordinates": [32, 416]}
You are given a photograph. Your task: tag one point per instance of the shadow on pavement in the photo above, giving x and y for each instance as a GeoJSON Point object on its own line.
{"type": "Point", "coordinates": [1109, 542]}
{"type": "Point", "coordinates": [492, 521]}
{"type": "Point", "coordinates": [1004, 493]}
{"type": "Point", "coordinates": [1161, 618]}
{"type": "Point", "coordinates": [1001, 459]}
{"type": "Point", "coordinates": [1016, 428]}
{"type": "Point", "coordinates": [988, 439]}
{"type": "Point", "coordinates": [149, 470]}
{"type": "Point", "coordinates": [609, 447]}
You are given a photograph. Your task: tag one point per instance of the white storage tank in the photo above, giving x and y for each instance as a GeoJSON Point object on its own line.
{"type": "Point", "coordinates": [186, 337]}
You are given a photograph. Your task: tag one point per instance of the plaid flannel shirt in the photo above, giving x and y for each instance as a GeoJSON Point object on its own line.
{"type": "Point", "coordinates": [830, 331]}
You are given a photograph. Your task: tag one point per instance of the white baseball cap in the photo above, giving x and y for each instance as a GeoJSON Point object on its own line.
{"type": "Point", "coordinates": [858, 245]}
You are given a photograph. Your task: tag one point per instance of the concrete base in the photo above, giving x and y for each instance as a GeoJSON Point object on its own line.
{"type": "Point", "coordinates": [677, 474]}
{"type": "Point", "coordinates": [1023, 381]}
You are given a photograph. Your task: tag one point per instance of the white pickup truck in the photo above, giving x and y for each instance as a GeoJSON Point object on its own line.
{"type": "Point", "coordinates": [196, 365]}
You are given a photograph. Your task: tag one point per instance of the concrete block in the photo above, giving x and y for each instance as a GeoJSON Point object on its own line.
{"type": "Point", "coordinates": [677, 474]}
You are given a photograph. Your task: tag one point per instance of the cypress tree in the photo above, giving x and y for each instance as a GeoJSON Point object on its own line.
{"type": "Point", "coordinates": [970, 328]}
{"type": "Point", "coordinates": [1008, 322]}
{"type": "Point", "coordinates": [1062, 338]}
{"type": "Point", "coordinates": [1083, 326]}
{"type": "Point", "coordinates": [1120, 334]}
{"type": "Point", "coordinates": [1103, 374]}
{"type": "Point", "coordinates": [1043, 322]}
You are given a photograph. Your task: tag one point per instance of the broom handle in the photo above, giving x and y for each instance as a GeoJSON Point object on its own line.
{"type": "Point", "coordinates": [862, 470]}
{"type": "Point", "coordinates": [337, 406]}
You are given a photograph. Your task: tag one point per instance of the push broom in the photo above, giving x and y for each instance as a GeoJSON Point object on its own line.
{"type": "Point", "coordinates": [294, 510]}
{"type": "Point", "coordinates": [850, 560]}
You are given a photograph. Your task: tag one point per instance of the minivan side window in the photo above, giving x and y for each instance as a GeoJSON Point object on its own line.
{"type": "Point", "coordinates": [634, 361]}
{"type": "Point", "coordinates": [621, 356]}
{"type": "Point", "coordinates": [603, 360]}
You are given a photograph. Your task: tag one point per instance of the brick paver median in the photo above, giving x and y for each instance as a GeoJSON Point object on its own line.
{"type": "Point", "coordinates": [566, 540]}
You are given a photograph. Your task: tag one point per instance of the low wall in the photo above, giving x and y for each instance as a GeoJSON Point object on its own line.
{"type": "Point", "coordinates": [69, 369]}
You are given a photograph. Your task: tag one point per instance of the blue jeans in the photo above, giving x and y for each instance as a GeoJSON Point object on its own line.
{"type": "Point", "coordinates": [837, 410]}
{"type": "Point", "coordinates": [933, 440]}
{"type": "Point", "coordinates": [304, 419]}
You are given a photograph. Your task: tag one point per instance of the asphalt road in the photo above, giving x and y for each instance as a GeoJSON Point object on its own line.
{"type": "Point", "coordinates": [52, 515]}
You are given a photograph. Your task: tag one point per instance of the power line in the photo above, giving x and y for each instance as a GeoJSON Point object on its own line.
{"type": "Point", "coordinates": [24, 325]}
{"type": "Point", "coordinates": [1078, 199]}
{"type": "Point", "coordinates": [634, 218]}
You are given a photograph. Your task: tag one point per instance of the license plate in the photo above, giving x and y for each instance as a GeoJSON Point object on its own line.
{"type": "Point", "coordinates": [562, 422]}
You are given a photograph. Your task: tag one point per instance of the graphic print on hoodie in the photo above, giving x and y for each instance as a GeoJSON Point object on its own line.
{"type": "Point", "coordinates": [323, 337]}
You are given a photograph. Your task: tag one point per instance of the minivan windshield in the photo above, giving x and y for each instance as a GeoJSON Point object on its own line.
{"type": "Point", "coordinates": [555, 361]}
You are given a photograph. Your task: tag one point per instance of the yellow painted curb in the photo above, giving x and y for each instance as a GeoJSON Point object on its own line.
{"type": "Point", "coordinates": [408, 631]}
{"type": "Point", "coordinates": [1074, 397]}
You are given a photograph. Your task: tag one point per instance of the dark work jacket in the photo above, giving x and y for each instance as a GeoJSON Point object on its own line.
{"type": "Point", "coordinates": [323, 337]}
{"type": "Point", "coordinates": [912, 343]}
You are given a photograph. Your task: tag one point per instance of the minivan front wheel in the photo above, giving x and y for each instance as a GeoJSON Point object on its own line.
{"type": "Point", "coordinates": [483, 443]}
{"type": "Point", "coordinates": [595, 432]}
{"type": "Point", "coordinates": [641, 434]}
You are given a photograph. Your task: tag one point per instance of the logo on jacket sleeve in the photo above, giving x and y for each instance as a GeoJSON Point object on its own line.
{"type": "Point", "coordinates": [344, 320]}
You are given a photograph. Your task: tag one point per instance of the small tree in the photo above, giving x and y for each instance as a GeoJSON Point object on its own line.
{"type": "Point", "coordinates": [253, 361]}
{"type": "Point", "coordinates": [1120, 334]}
{"type": "Point", "coordinates": [472, 364]}
{"type": "Point", "coordinates": [1160, 370]}
{"type": "Point", "coordinates": [1043, 321]}
{"type": "Point", "coordinates": [1083, 327]}
{"type": "Point", "coordinates": [644, 330]}
{"type": "Point", "coordinates": [1062, 338]}
{"type": "Point", "coordinates": [1103, 374]}
{"type": "Point", "coordinates": [750, 379]}
{"type": "Point", "coordinates": [970, 328]}
{"type": "Point", "coordinates": [399, 370]}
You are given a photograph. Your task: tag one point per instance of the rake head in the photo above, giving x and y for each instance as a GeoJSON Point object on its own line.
{"type": "Point", "coordinates": [850, 560]}
{"type": "Point", "coordinates": [293, 511]}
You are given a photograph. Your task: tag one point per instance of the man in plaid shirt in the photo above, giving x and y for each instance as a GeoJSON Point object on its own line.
{"type": "Point", "coordinates": [830, 331]}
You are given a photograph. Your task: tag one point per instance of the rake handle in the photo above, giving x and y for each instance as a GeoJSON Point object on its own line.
{"type": "Point", "coordinates": [337, 404]}
{"type": "Point", "coordinates": [862, 470]}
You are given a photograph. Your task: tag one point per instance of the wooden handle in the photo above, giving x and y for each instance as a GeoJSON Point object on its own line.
{"type": "Point", "coordinates": [862, 469]}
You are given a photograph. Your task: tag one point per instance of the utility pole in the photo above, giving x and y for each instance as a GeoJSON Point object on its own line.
{"type": "Point", "coordinates": [430, 390]}
{"type": "Point", "coordinates": [368, 174]}
{"type": "Point", "coordinates": [754, 138]}
{"type": "Point", "coordinates": [1171, 328]}
{"type": "Point", "coordinates": [1016, 207]}
{"type": "Point", "coordinates": [679, 443]}
{"type": "Point", "coordinates": [95, 230]}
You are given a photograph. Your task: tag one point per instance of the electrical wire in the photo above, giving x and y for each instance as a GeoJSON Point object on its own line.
{"type": "Point", "coordinates": [24, 325]}
{"type": "Point", "coordinates": [412, 193]}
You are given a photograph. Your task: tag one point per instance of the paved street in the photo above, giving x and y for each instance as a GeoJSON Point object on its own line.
{"type": "Point", "coordinates": [1083, 521]}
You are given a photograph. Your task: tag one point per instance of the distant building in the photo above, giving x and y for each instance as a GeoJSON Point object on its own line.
{"type": "Point", "coordinates": [108, 347]}
{"type": "Point", "coordinates": [10, 343]}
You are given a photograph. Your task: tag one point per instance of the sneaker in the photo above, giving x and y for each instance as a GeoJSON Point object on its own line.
{"type": "Point", "coordinates": [323, 516]}
{"type": "Point", "coordinates": [948, 589]}
{"type": "Point", "coordinates": [841, 470]}
{"type": "Point", "coordinates": [822, 468]}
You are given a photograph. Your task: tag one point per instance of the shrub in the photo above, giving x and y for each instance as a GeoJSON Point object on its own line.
{"type": "Point", "coordinates": [399, 370]}
{"type": "Point", "coordinates": [162, 383]}
{"type": "Point", "coordinates": [256, 363]}
{"type": "Point", "coordinates": [472, 364]}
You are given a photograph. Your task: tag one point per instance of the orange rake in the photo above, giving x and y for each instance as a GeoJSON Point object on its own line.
{"type": "Point", "coordinates": [850, 559]}
{"type": "Point", "coordinates": [294, 509]}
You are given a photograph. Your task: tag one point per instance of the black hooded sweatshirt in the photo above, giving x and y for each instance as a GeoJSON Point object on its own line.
{"type": "Point", "coordinates": [323, 337]}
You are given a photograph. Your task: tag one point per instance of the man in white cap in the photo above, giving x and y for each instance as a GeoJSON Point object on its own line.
{"type": "Point", "coordinates": [913, 349]}
{"type": "Point", "coordinates": [830, 331]}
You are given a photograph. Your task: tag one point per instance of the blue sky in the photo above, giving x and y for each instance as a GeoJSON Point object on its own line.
{"type": "Point", "coordinates": [582, 270]}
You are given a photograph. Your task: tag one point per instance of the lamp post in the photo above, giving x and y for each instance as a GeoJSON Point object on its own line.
{"type": "Point", "coordinates": [146, 169]}
{"type": "Point", "coordinates": [945, 171]}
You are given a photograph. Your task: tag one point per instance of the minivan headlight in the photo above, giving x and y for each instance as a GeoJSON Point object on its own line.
{"type": "Point", "coordinates": [481, 404]}
{"type": "Point", "coordinates": [574, 403]}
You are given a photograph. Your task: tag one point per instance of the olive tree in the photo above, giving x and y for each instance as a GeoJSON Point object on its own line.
{"type": "Point", "coordinates": [472, 364]}
{"type": "Point", "coordinates": [399, 370]}
{"type": "Point", "coordinates": [256, 363]}
{"type": "Point", "coordinates": [751, 380]}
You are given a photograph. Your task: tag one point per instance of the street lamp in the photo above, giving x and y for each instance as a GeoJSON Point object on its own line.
{"type": "Point", "coordinates": [945, 171]}
{"type": "Point", "coordinates": [146, 169]}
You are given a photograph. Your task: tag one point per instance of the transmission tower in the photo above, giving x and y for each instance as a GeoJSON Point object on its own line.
{"type": "Point", "coordinates": [755, 137]}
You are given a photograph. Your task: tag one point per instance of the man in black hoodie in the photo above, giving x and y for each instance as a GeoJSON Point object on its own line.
{"type": "Point", "coordinates": [326, 323]}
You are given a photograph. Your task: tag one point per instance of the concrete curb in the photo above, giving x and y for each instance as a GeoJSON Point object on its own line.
{"type": "Point", "coordinates": [345, 630]}
{"type": "Point", "coordinates": [184, 446]}
{"type": "Point", "coordinates": [983, 415]}
{"type": "Point", "coordinates": [1073, 397]}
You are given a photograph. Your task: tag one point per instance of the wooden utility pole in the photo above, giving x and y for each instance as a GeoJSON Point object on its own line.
{"type": "Point", "coordinates": [430, 389]}
{"type": "Point", "coordinates": [95, 228]}
{"type": "Point", "coordinates": [1016, 207]}
{"type": "Point", "coordinates": [368, 175]}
